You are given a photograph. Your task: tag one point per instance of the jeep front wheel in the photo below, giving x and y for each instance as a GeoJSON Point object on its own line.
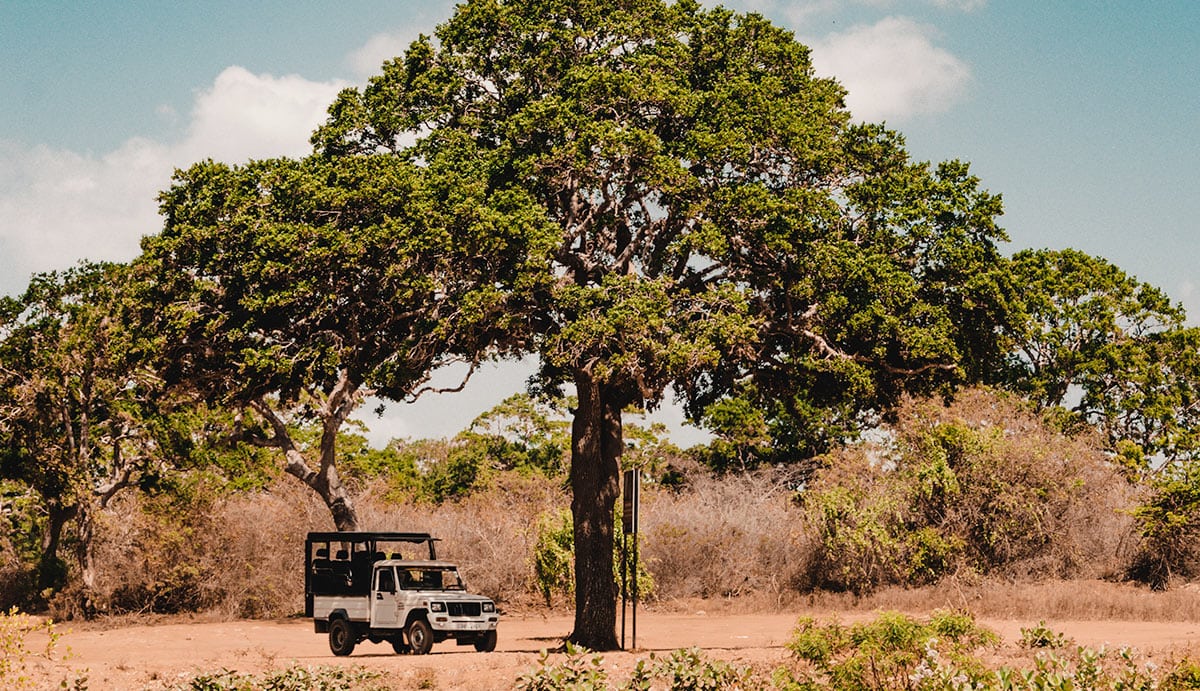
{"type": "Point", "coordinates": [486, 642]}
{"type": "Point", "coordinates": [341, 637]}
{"type": "Point", "coordinates": [420, 636]}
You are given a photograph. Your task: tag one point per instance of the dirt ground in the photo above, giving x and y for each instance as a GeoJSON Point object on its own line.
{"type": "Point", "coordinates": [150, 657]}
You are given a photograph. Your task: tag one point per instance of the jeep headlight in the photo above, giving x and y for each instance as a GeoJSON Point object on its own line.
{"type": "Point", "coordinates": [437, 606]}
{"type": "Point", "coordinates": [489, 606]}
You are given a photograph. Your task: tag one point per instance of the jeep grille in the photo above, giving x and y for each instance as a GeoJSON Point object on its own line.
{"type": "Point", "coordinates": [463, 609]}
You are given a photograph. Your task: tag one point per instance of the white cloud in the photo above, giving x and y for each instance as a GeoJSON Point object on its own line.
{"type": "Point", "coordinates": [378, 49]}
{"type": "Point", "coordinates": [1189, 295]}
{"type": "Point", "coordinates": [245, 115]}
{"type": "Point", "coordinates": [59, 206]}
{"type": "Point", "coordinates": [960, 5]}
{"type": "Point", "coordinates": [891, 69]}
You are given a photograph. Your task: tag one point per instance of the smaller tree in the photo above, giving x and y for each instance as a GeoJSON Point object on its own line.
{"type": "Point", "coordinates": [81, 417]}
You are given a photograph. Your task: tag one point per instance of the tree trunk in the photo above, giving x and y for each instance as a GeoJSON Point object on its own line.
{"type": "Point", "coordinates": [328, 485]}
{"type": "Point", "coordinates": [596, 445]}
{"type": "Point", "coordinates": [52, 573]}
{"type": "Point", "coordinates": [85, 555]}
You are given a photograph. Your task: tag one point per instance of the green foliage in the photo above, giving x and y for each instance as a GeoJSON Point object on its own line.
{"type": "Point", "coordinates": [21, 526]}
{"type": "Point", "coordinates": [554, 558]}
{"type": "Point", "coordinates": [579, 670]}
{"type": "Point", "coordinates": [689, 670]}
{"type": "Point", "coordinates": [981, 485]}
{"type": "Point", "coordinates": [15, 651]}
{"type": "Point", "coordinates": [743, 437]}
{"type": "Point", "coordinates": [684, 670]}
{"type": "Point", "coordinates": [1184, 675]}
{"type": "Point", "coordinates": [524, 433]}
{"type": "Point", "coordinates": [1169, 519]}
{"type": "Point", "coordinates": [83, 416]}
{"type": "Point", "coordinates": [1041, 636]}
{"type": "Point", "coordinates": [1084, 325]}
{"type": "Point", "coordinates": [889, 652]}
{"type": "Point", "coordinates": [290, 679]}
{"type": "Point", "coordinates": [554, 554]}
{"type": "Point", "coordinates": [650, 450]}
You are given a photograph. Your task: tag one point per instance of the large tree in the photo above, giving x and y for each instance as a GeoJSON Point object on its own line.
{"type": "Point", "coordinates": [290, 290]}
{"type": "Point", "coordinates": [720, 221]}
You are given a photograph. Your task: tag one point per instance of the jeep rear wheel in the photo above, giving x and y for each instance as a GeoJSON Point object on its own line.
{"type": "Point", "coordinates": [420, 636]}
{"type": "Point", "coordinates": [341, 637]}
{"type": "Point", "coordinates": [486, 642]}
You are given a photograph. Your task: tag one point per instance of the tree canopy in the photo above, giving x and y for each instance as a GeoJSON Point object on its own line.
{"type": "Point", "coordinates": [291, 289]}
{"type": "Point", "coordinates": [1108, 347]}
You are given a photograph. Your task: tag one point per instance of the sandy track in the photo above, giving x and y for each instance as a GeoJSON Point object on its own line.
{"type": "Point", "coordinates": [140, 657]}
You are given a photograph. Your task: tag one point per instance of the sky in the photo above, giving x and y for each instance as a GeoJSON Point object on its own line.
{"type": "Point", "coordinates": [1084, 116]}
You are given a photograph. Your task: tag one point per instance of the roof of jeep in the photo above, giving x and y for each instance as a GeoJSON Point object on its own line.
{"type": "Point", "coordinates": [366, 535]}
{"type": "Point", "coordinates": [417, 564]}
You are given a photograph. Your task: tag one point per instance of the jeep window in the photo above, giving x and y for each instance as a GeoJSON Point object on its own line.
{"type": "Point", "coordinates": [386, 581]}
{"type": "Point", "coordinates": [431, 579]}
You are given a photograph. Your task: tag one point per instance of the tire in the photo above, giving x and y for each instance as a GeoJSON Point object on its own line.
{"type": "Point", "coordinates": [400, 646]}
{"type": "Point", "coordinates": [420, 637]}
{"type": "Point", "coordinates": [341, 637]}
{"type": "Point", "coordinates": [486, 642]}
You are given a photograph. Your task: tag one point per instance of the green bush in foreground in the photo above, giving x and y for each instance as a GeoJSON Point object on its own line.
{"type": "Point", "coordinates": [685, 670]}
{"type": "Point", "coordinates": [291, 679]}
{"type": "Point", "coordinates": [894, 651]}
{"type": "Point", "coordinates": [16, 653]}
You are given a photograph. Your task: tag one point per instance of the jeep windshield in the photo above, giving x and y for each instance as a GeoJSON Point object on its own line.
{"type": "Point", "coordinates": [430, 578]}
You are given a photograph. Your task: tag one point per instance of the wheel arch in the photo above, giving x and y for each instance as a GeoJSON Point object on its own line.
{"type": "Point", "coordinates": [419, 613]}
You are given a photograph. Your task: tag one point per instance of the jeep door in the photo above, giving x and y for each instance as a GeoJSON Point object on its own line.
{"type": "Point", "coordinates": [385, 604]}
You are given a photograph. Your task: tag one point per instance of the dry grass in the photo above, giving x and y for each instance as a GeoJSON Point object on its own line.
{"type": "Point", "coordinates": [1075, 600]}
{"type": "Point", "coordinates": [722, 537]}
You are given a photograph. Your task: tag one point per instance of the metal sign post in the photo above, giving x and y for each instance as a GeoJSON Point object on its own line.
{"type": "Point", "coordinates": [629, 526]}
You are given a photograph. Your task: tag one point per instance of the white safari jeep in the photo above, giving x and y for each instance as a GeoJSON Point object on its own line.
{"type": "Point", "coordinates": [390, 587]}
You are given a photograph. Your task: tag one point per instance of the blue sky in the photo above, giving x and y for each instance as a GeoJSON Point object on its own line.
{"type": "Point", "coordinates": [1084, 116]}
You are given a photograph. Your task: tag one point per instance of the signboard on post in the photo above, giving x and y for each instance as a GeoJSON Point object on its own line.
{"type": "Point", "coordinates": [629, 528]}
{"type": "Point", "coordinates": [629, 508]}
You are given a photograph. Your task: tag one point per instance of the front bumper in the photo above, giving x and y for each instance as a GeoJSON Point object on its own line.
{"type": "Point", "coordinates": [444, 624]}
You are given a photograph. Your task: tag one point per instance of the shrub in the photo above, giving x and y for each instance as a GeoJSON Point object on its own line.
{"type": "Point", "coordinates": [1169, 522]}
{"type": "Point", "coordinates": [891, 651]}
{"type": "Point", "coordinates": [724, 536]}
{"type": "Point", "coordinates": [1041, 636]}
{"type": "Point", "coordinates": [579, 670]}
{"type": "Point", "coordinates": [554, 557]}
{"type": "Point", "coordinates": [981, 486]}
{"type": "Point", "coordinates": [291, 679]}
{"type": "Point", "coordinates": [682, 670]}
{"type": "Point", "coordinates": [15, 650]}
{"type": "Point", "coordinates": [1185, 674]}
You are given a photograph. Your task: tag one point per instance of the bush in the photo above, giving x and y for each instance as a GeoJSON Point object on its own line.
{"type": "Point", "coordinates": [554, 557]}
{"type": "Point", "coordinates": [291, 679]}
{"type": "Point", "coordinates": [979, 486]}
{"type": "Point", "coordinates": [682, 670]}
{"type": "Point", "coordinates": [579, 670]}
{"type": "Point", "coordinates": [1169, 522]}
{"type": "Point", "coordinates": [890, 652]}
{"type": "Point", "coordinates": [15, 650]}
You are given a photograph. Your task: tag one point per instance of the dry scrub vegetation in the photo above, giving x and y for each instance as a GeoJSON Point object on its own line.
{"type": "Point", "coordinates": [979, 505]}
